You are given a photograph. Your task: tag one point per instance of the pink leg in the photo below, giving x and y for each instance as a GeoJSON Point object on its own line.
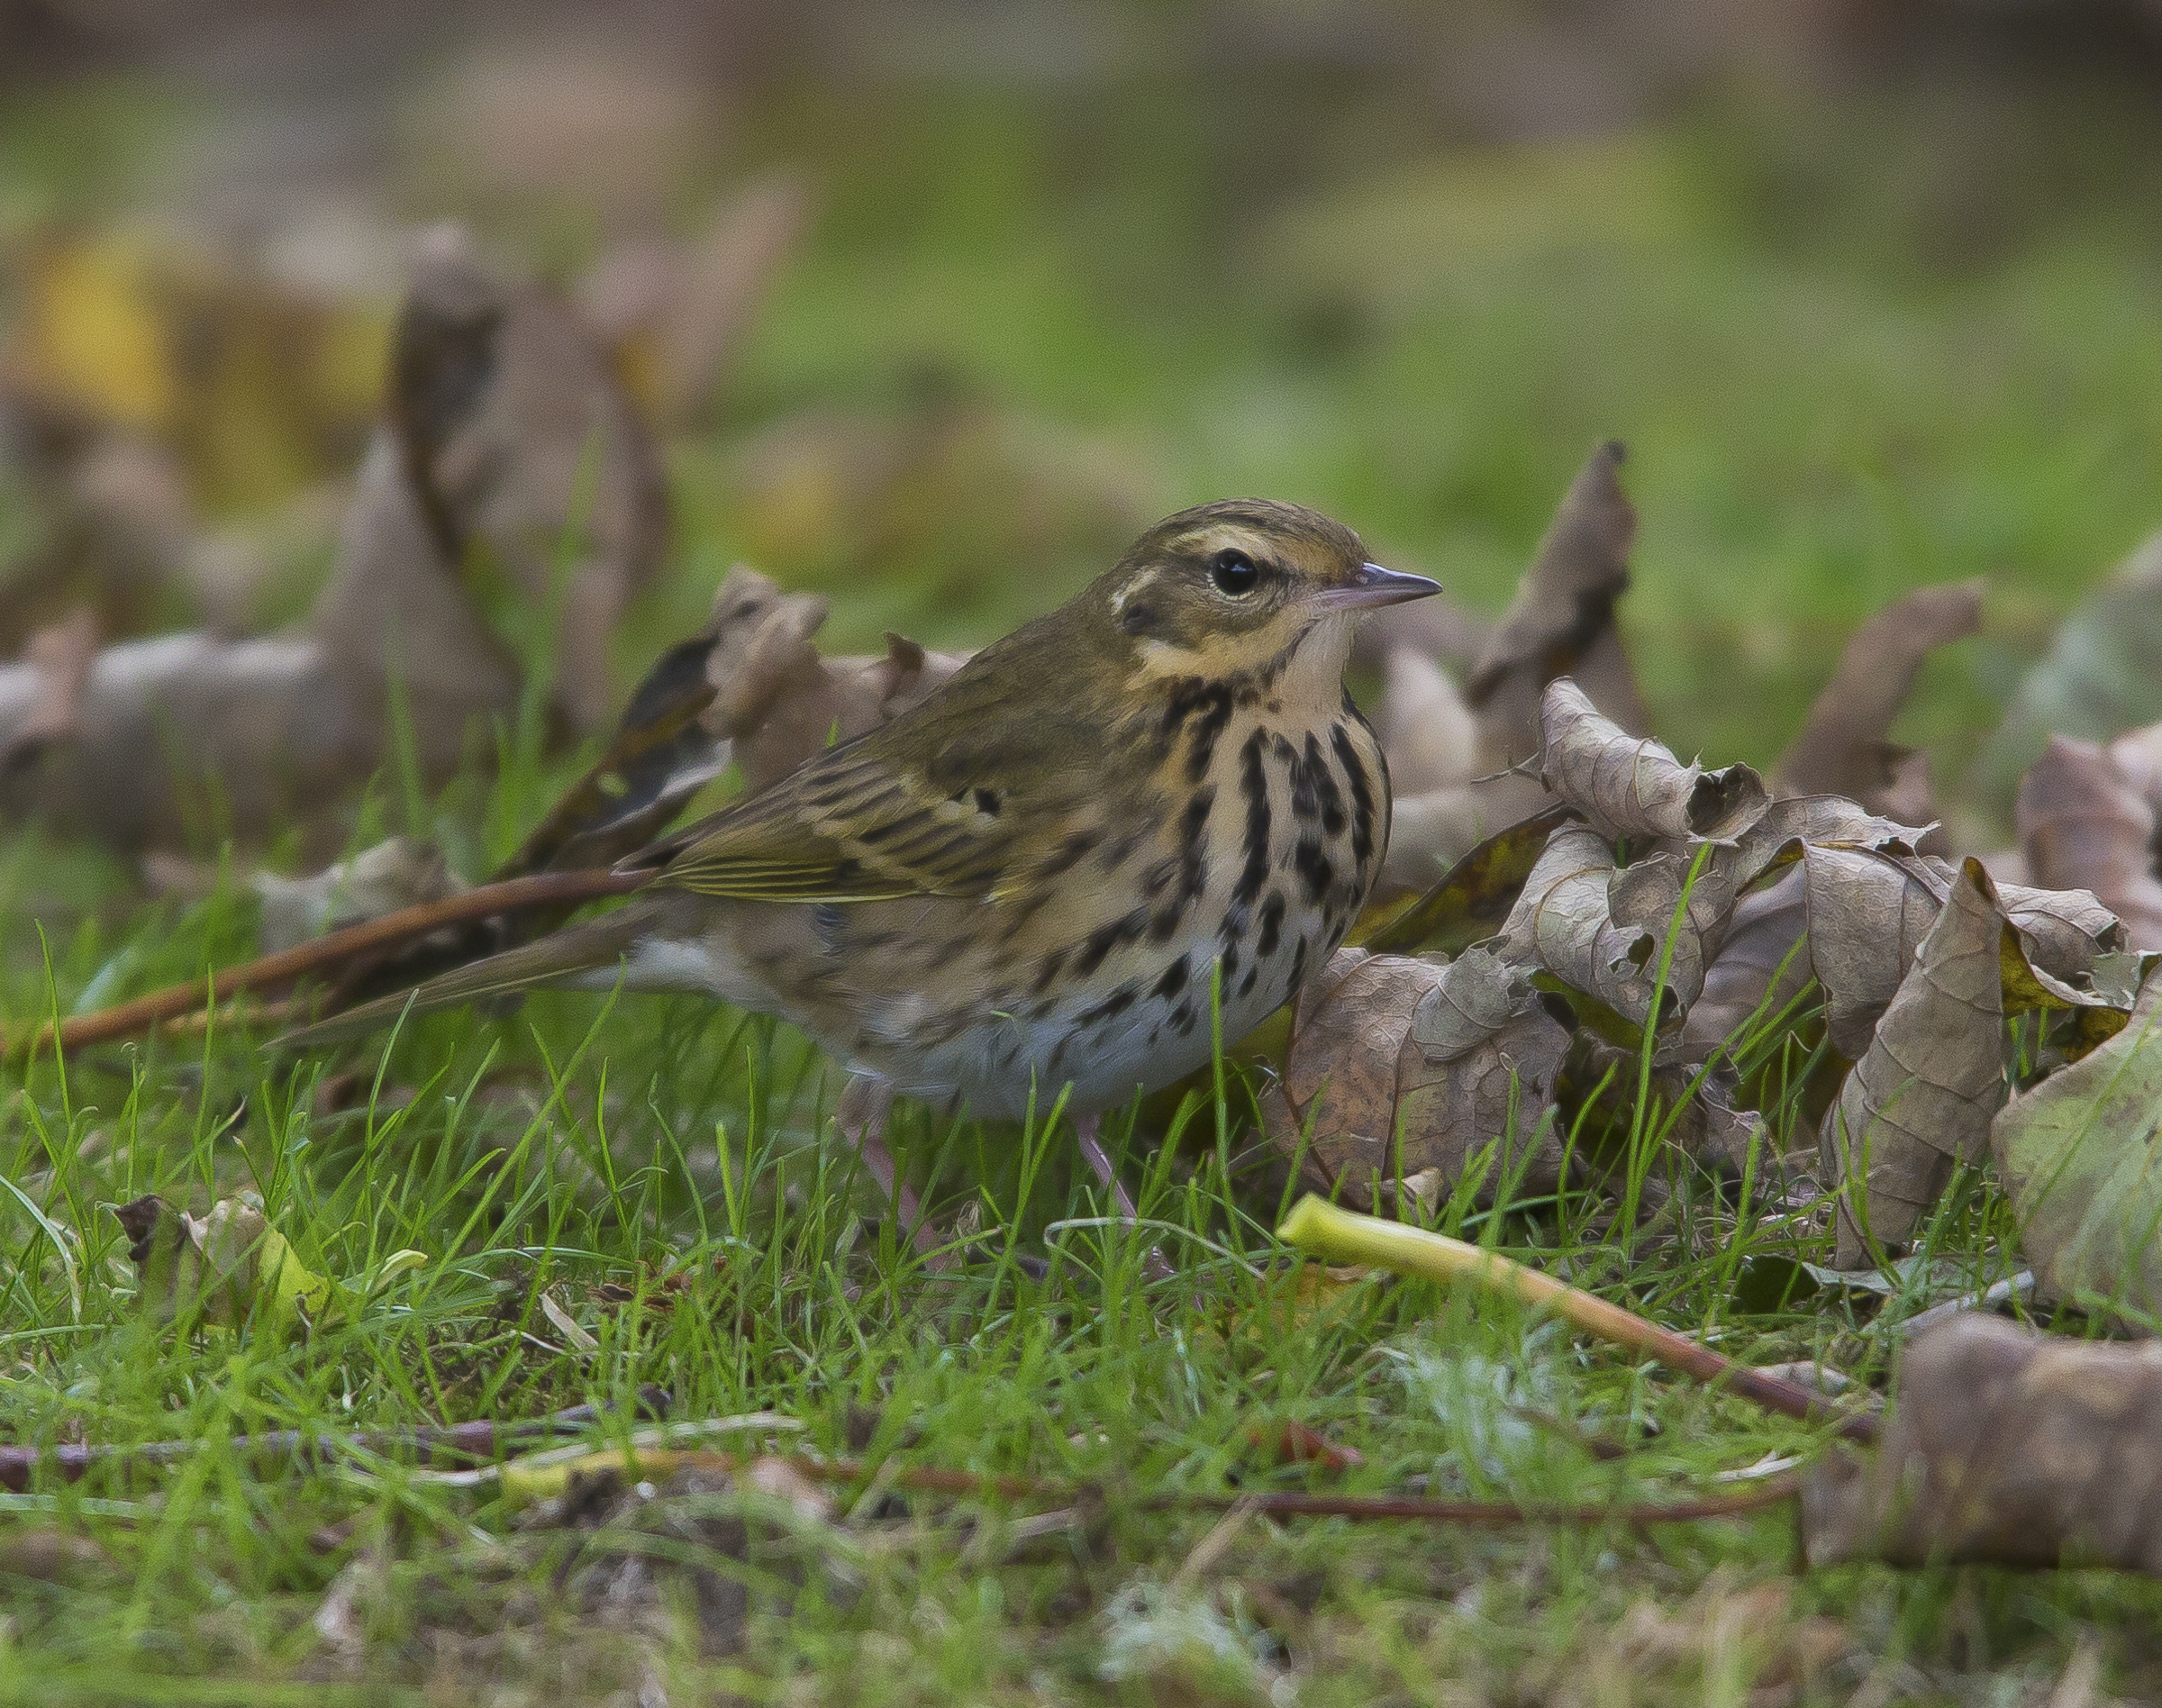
{"type": "Point", "coordinates": [865, 1103]}
{"type": "Point", "coordinates": [1154, 1267]}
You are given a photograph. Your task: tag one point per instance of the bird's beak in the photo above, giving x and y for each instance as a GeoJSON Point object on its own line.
{"type": "Point", "coordinates": [1371, 585]}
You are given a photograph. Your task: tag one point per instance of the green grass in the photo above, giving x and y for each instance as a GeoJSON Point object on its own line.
{"type": "Point", "coordinates": [1825, 408]}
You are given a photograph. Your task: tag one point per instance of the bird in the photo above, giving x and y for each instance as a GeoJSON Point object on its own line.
{"type": "Point", "coordinates": [1133, 826]}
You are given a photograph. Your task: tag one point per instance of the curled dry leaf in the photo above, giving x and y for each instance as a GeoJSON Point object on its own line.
{"type": "Point", "coordinates": [778, 701]}
{"type": "Point", "coordinates": [1632, 786]}
{"type": "Point", "coordinates": [1602, 931]}
{"type": "Point", "coordinates": [1762, 965]}
{"type": "Point", "coordinates": [1843, 746]}
{"type": "Point", "coordinates": [1920, 1099]}
{"type": "Point", "coordinates": [1398, 1067]}
{"type": "Point", "coordinates": [222, 1269]}
{"type": "Point", "coordinates": [58, 659]}
{"type": "Point", "coordinates": [2004, 1446]}
{"type": "Point", "coordinates": [2080, 1159]}
{"type": "Point", "coordinates": [1562, 619]}
{"type": "Point", "coordinates": [1479, 1065]}
{"type": "Point", "coordinates": [2083, 822]}
{"type": "Point", "coordinates": [506, 435]}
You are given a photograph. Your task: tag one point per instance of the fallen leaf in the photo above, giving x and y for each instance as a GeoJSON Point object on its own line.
{"type": "Point", "coordinates": [577, 1337]}
{"type": "Point", "coordinates": [1401, 1073]}
{"type": "Point", "coordinates": [1602, 930]}
{"type": "Point", "coordinates": [2006, 1447]}
{"type": "Point", "coordinates": [1562, 619]}
{"type": "Point", "coordinates": [2083, 823]}
{"type": "Point", "coordinates": [1920, 1100]}
{"type": "Point", "coordinates": [2079, 1161]}
{"type": "Point", "coordinates": [1633, 786]}
{"type": "Point", "coordinates": [1762, 965]}
{"type": "Point", "coordinates": [1479, 1065]}
{"type": "Point", "coordinates": [1843, 746]}
{"type": "Point", "coordinates": [59, 658]}
{"type": "Point", "coordinates": [225, 1268]}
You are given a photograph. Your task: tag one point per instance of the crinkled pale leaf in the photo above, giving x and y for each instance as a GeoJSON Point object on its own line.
{"type": "Point", "coordinates": [1562, 619]}
{"type": "Point", "coordinates": [1478, 1067]}
{"type": "Point", "coordinates": [1472, 900]}
{"type": "Point", "coordinates": [2065, 931]}
{"type": "Point", "coordinates": [1843, 746]}
{"type": "Point", "coordinates": [1427, 734]}
{"type": "Point", "coordinates": [1632, 785]}
{"type": "Point", "coordinates": [2080, 1157]}
{"type": "Point", "coordinates": [224, 1268]}
{"type": "Point", "coordinates": [1598, 931]}
{"type": "Point", "coordinates": [1830, 820]}
{"type": "Point", "coordinates": [59, 657]}
{"type": "Point", "coordinates": [1920, 1100]}
{"type": "Point", "coordinates": [2006, 1447]}
{"type": "Point", "coordinates": [2085, 824]}
{"type": "Point", "coordinates": [1339, 1087]}
{"type": "Point", "coordinates": [1401, 1073]}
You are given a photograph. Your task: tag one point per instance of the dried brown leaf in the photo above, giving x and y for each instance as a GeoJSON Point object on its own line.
{"type": "Point", "coordinates": [1920, 1099]}
{"type": "Point", "coordinates": [2004, 1446]}
{"type": "Point", "coordinates": [2086, 823]}
{"type": "Point", "coordinates": [1632, 786]}
{"type": "Point", "coordinates": [1562, 619]}
{"type": "Point", "coordinates": [1403, 1070]}
{"type": "Point", "coordinates": [1869, 911]}
{"type": "Point", "coordinates": [1761, 966]}
{"type": "Point", "coordinates": [1601, 931]}
{"type": "Point", "coordinates": [59, 658]}
{"type": "Point", "coordinates": [1843, 746]}
{"type": "Point", "coordinates": [1479, 1065]}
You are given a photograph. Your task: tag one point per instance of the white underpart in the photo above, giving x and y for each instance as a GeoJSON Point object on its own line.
{"type": "Point", "coordinates": [676, 964]}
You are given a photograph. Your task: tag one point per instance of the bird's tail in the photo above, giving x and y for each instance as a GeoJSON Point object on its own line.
{"type": "Point", "coordinates": [592, 948]}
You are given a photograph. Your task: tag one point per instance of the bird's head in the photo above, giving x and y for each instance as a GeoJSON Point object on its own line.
{"type": "Point", "coordinates": [1245, 587]}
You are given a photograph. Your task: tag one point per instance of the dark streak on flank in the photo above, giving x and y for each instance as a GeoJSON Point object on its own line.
{"type": "Point", "coordinates": [1364, 816]}
{"type": "Point", "coordinates": [1272, 922]}
{"type": "Point", "coordinates": [1314, 867]}
{"type": "Point", "coordinates": [1126, 929]}
{"type": "Point", "coordinates": [1253, 784]}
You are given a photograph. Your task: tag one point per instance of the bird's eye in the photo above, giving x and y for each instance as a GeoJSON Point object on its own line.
{"type": "Point", "coordinates": [1233, 572]}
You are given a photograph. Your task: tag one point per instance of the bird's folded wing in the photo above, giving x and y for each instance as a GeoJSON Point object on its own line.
{"type": "Point", "coordinates": [849, 826]}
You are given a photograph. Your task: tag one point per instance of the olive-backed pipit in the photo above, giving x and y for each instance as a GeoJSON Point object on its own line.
{"type": "Point", "coordinates": [1041, 877]}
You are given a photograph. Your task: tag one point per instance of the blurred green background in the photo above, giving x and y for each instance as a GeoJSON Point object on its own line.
{"type": "Point", "coordinates": [1873, 294]}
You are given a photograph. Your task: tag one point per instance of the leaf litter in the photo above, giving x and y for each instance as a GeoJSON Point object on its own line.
{"type": "Point", "coordinates": [1627, 910]}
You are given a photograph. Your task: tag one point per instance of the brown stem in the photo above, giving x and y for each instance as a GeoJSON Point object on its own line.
{"type": "Point", "coordinates": [542, 889]}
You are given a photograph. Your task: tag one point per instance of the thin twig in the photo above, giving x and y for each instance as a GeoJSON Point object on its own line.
{"type": "Point", "coordinates": [526, 1480]}
{"type": "Point", "coordinates": [542, 889]}
{"type": "Point", "coordinates": [1324, 1230]}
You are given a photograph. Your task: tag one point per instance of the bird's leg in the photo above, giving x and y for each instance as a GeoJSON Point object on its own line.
{"type": "Point", "coordinates": [1153, 1265]}
{"type": "Point", "coordinates": [865, 1103]}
